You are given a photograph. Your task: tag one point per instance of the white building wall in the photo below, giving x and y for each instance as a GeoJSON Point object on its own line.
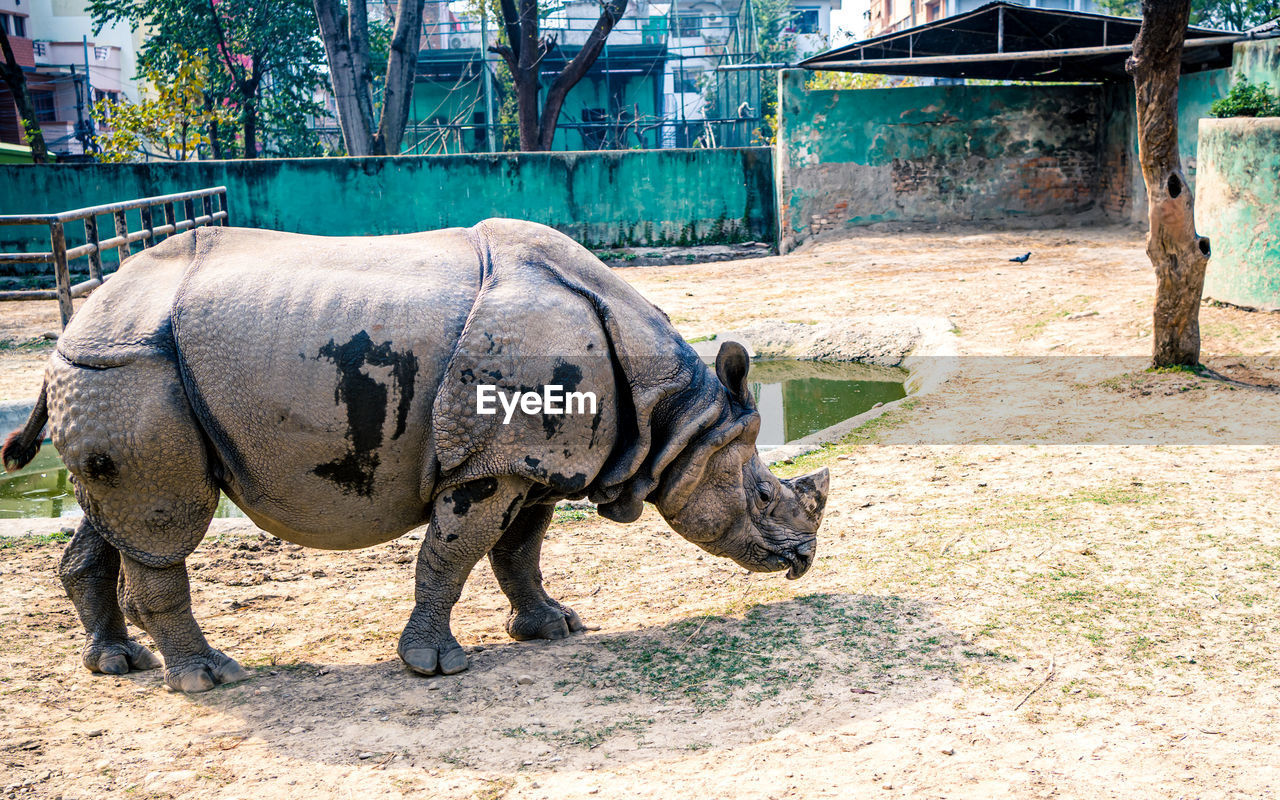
{"type": "Point", "coordinates": [67, 22]}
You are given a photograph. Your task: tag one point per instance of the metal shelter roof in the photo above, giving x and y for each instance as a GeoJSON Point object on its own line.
{"type": "Point", "coordinates": [1004, 41]}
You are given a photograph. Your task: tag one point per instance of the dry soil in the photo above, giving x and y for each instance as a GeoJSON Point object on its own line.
{"type": "Point", "coordinates": [1058, 575]}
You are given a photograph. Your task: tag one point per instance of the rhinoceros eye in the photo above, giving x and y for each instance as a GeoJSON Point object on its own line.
{"type": "Point", "coordinates": [765, 492]}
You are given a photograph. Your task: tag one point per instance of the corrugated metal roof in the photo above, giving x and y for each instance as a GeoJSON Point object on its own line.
{"type": "Point", "coordinates": [1004, 41]}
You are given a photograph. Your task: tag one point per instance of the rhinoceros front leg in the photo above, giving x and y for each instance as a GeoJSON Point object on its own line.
{"type": "Point", "coordinates": [516, 560]}
{"type": "Point", "coordinates": [466, 521]}
{"type": "Point", "coordinates": [89, 570]}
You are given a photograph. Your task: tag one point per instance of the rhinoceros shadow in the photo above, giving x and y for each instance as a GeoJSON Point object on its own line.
{"type": "Point", "coordinates": [809, 663]}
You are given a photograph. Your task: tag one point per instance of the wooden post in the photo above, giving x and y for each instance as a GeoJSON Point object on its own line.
{"type": "Point", "coordinates": [122, 229]}
{"type": "Point", "coordinates": [95, 257]}
{"type": "Point", "coordinates": [1177, 252]}
{"type": "Point", "coordinates": [148, 223]}
{"type": "Point", "coordinates": [58, 239]}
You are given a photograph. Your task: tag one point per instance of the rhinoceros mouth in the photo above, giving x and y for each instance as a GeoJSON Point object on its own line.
{"type": "Point", "coordinates": [800, 563]}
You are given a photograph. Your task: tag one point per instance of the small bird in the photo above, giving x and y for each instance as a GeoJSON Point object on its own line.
{"type": "Point", "coordinates": [1022, 259]}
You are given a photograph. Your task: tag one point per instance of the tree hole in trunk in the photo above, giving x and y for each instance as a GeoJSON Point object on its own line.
{"type": "Point", "coordinates": [1204, 245]}
{"type": "Point", "coordinates": [1175, 186]}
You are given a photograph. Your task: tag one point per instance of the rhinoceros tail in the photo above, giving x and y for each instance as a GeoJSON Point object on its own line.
{"type": "Point", "coordinates": [23, 444]}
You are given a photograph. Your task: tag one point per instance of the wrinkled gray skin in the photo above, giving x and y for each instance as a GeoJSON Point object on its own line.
{"type": "Point", "coordinates": [327, 385]}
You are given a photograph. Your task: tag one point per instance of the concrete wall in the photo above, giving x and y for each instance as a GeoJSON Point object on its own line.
{"type": "Point", "coordinates": [953, 154]}
{"type": "Point", "coordinates": [933, 154]}
{"type": "Point", "coordinates": [602, 199]}
{"type": "Point", "coordinates": [1238, 208]}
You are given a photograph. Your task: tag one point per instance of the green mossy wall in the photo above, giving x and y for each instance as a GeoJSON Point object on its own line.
{"type": "Point", "coordinates": [603, 199]}
{"type": "Point", "coordinates": [1238, 208]}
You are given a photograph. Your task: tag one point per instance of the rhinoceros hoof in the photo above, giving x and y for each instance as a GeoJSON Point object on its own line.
{"type": "Point", "coordinates": [203, 672]}
{"type": "Point", "coordinates": [117, 657]}
{"type": "Point", "coordinates": [447, 660]}
{"type": "Point", "coordinates": [551, 621]}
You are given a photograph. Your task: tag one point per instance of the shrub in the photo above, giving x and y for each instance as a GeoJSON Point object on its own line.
{"type": "Point", "coordinates": [1247, 100]}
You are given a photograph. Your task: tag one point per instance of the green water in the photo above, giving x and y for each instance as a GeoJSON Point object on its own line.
{"type": "Point", "coordinates": [795, 398]}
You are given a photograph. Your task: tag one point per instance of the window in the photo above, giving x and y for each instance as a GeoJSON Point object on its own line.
{"type": "Point", "coordinates": [686, 25]}
{"type": "Point", "coordinates": [100, 53]}
{"type": "Point", "coordinates": [686, 81]}
{"type": "Point", "coordinates": [43, 102]}
{"type": "Point", "coordinates": [806, 20]}
{"type": "Point", "coordinates": [4, 23]}
{"type": "Point", "coordinates": [20, 26]}
{"type": "Point", "coordinates": [40, 49]}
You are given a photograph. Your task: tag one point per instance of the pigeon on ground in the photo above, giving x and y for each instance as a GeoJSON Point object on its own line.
{"type": "Point", "coordinates": [1021, 259]}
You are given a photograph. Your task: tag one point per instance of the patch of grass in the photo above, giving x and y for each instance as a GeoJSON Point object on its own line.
{"type": "Point", "coordinates": [35, 540]}
{"type": "Point", "coordinates": [495, 789]}
{"type": "Point", "coordinates": [697, 339]}
{"type": "Point", "coordinates": [1199, 370]}
{"type": "Point", "coordinates": [868, 433]}
{"type": "Point", "coordinates": [28, 345]}
{"type": "Point", "coordinates": [588, 737]}
{"type": "Point", "coordinates": [1118, 494]}
{"type": "Point", "coordinates": [567, 514]}
{"type": "Point", "coordinates": [713, 659]}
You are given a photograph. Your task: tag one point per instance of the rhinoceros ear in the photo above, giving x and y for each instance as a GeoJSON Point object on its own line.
{"type": "Point", "coordinates": [732, 364]}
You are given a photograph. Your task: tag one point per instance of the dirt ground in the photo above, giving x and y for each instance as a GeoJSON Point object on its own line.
{"type": "Point", "coordinates": [1056, 576]}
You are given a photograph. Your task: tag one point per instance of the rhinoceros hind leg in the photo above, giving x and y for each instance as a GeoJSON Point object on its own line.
{"type": "Point", "coordinates": [466, 521]}
{"type": "Point", "coordinates": [89, 569]}
{"type": "Point", "coordinates": [161, 599]}
{"type": "Point", "coordinates": [516, 560]}
{"type": "Point", "coordinates": [142, 475]}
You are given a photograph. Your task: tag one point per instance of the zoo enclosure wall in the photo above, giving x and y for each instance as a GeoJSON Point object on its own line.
{"type": "Point", "coordinates": [607, 199]}
{"type": "Point", "coordinates": [954, 154]}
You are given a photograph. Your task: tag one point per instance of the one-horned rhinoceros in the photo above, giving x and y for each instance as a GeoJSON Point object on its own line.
{"type": "Point", "coordinates": [332, 387]}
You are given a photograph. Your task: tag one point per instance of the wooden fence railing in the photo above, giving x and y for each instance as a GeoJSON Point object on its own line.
{"type": "Point", "coordinates": [213, 211]}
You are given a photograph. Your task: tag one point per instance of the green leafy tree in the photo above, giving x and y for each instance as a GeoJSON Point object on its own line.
{"type": "Point", "coordinates": [775, 45]}
{"type": "Point", "coordinates": [830, 79]}
{"type": "Point", "coordinates": [266, 60]}
{"type": "Point", "coordinates": [173, 121]}
{"type": "Point", "coordinates": [1237, 15]}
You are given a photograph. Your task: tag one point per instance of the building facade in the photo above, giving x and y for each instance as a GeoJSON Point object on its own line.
{"type": "Point", "coordinates": [68, 68]}
{"type": "Point", "coordinates": [888, 16]}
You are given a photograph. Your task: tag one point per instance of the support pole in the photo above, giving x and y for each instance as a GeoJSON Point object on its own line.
{"type": "Point", "coordinates": [122, 230]}
{"type": "Point", "coordinates": [490, 145]}
{"type": "Point", "coordinates": [95, 255]}
{"type": "Point", "coordinates": [58, 241]}
{"type": "Point", "coordinates": [1177, 252]}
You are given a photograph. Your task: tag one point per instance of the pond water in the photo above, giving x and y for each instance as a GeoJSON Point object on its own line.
{"type": "Point", "coordinates": [795, 398]}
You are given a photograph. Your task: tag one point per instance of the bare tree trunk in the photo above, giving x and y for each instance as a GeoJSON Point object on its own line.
{"type": "Point", "coordinates": [610, 12]}
{"type": "Point", "coordinates": [528, 67]}
{"type": "Point", "coordinates": [1177, 252]}
{"type": "Point", "coordinates": [402, 68]}
{"type": "Point", "coordinates": [346, 43]}
{"type": "Point", "coordinates": [524, 52]}
{"type": "Point", "coordinates": [17, 83]}
{"type": "Point", "coordinates": [251, 129]}
{"type": "Point", "coordinates": [215, 146]}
